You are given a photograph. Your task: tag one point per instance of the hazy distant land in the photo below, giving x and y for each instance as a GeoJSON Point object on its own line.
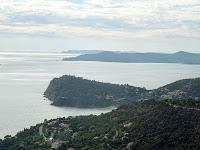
{"type": "Point", "coordinates": [82, 52]}
{"type": "Point", "coordinates": [136, 57]}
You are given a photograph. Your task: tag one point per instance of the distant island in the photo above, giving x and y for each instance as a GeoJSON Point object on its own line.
{"type": "Point", "coordinates": [74, 91]}
{"type": "Point", "coordinates": [134, 57]}
{"type": "Point", "coordinates": [81, 52]}
{"type": "Point", "coordinates": [141, 125]}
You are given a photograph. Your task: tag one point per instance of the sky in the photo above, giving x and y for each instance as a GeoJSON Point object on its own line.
{"type": "Point", "coordinates": [126, 25]}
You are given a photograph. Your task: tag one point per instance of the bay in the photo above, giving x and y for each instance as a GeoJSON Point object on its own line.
{"type": "Point", "coordinates": [24, 76]}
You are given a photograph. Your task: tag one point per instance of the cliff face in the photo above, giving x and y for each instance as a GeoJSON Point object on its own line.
{"type": "Point", "coordinates": [140, 125]}
{"type": "Point", "coordinates": [78, 92]}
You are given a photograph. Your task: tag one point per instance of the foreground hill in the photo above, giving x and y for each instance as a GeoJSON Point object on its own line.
{"type": "Point", "coordinates": [179, 57]}
{"type": "Point", "coordinates": [141, 125]}
{"type": "Point", "coordinates": [78, 92]}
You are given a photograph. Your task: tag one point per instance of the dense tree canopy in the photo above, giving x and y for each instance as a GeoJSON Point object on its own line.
{"type": "Point", "coordinates": [141, 125]}
{"type": "Point", "coordinates": [78, 92]}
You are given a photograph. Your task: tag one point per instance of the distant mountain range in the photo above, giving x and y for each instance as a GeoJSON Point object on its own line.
{"type": "Point", "coordinates": [74, 91]}
{"type": "Point", "coordinates": [134, 57]}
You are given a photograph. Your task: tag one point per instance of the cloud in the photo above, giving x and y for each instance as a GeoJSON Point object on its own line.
{"type": "Point", "coordinates": [101, 18]}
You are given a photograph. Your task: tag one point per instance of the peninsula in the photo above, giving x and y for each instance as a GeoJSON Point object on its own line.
{"type": "Point", "coordinates": [71, 91]}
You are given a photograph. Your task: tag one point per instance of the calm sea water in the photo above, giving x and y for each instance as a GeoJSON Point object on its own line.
{"type": "Point", "coordinates": [25, 76]}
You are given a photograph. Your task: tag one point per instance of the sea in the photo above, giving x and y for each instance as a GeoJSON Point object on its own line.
{"type": "Point", "coordinates": [25, 75]}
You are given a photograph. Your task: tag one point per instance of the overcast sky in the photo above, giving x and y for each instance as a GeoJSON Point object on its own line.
{"type": "Point", "coordinates": [138, 25]}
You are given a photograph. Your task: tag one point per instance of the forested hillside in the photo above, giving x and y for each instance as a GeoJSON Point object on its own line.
{"type": "Point", "coordinates": [78, 92]}
{"type": "Point", "coordinates": [141, 125]}
{"type": "Point", "coordinates": [74, 91]}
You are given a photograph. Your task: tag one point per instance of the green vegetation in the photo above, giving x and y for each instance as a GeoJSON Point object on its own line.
{"type": "Point", "coordinates": [78, 92]}
{"type": "Point", "coordinates": [182, 89]}
{"type": "Point", "coordinates": [73, 91]}
{"type": "Point", "coordinates": [147, 124]}
{"type": "Point", "coordinates": [141, 125]}
{"type": "Point", "coordinates": [189, 103]}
